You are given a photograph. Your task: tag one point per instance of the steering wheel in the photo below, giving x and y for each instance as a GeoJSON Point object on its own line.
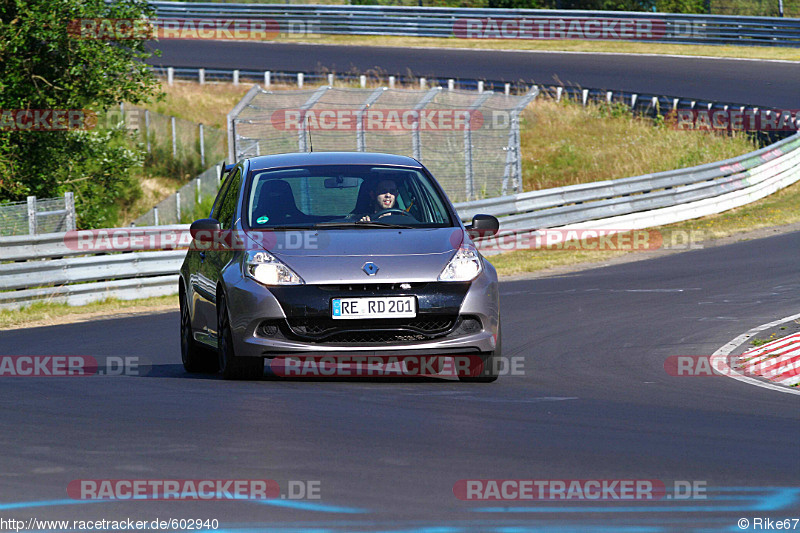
{"type": "Point", "coordinates": [393, 211]}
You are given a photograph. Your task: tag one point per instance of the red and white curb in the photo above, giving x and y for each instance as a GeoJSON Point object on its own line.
{"type": "Point", "coordinates": [778, 361]}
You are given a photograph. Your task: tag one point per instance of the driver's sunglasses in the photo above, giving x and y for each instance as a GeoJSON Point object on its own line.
{"type": "Point", "coordinates": [393, 192]}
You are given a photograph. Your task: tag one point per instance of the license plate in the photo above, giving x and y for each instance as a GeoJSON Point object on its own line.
{"type": "Point", "coordinates": [381, 307]}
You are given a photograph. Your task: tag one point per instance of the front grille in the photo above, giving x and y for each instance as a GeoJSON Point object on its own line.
{"type": "Point", "coordinates": [371, 330]}
{"type": "Point", "coordinates": [373, 337]}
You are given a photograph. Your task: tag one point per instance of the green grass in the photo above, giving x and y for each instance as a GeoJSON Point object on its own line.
{"type": "Point", "coordinates": [45, 313]}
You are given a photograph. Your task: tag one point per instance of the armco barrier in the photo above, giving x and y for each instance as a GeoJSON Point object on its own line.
{"type": "Point", "coordinates": [498, 23]}
{"type": "Point", "coordinates": [45, 268]}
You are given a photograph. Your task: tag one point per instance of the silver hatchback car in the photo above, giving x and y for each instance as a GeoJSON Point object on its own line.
{"type": "Point", "coordinates": [337, 255]}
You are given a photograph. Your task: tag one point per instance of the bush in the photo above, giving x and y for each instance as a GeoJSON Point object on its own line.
{"type": "Point", "coordinates": [43, 66]}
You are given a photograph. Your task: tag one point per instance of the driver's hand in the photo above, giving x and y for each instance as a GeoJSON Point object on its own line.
{"type": "Point", "coordinates": [365, 219]}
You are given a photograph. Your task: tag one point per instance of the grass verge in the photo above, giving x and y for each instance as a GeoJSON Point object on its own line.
{"type": "Point", "coordinates": [615, 47]}
{"type": "Point", "coordinates": [563, 143]}
{"type": "Point", "coordinates": [48, 314]}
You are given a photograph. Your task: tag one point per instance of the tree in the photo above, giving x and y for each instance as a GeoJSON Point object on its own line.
{"type": "Point", "coordinates": [44, 66]}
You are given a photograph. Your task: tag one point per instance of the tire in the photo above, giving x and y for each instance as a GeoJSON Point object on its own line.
{"type": "Point", "coordinates": [194, 356]}
{"type": "Point", "coordinates": [485, 371]}
{"type": "Point", "coordinates": [233, 367]}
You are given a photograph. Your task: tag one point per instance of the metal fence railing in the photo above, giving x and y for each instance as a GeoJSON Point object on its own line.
{"type": "Point", "coordinates": [38, 215]}
{"type": "Point", "coordinates": [499, 23]}
{"type": "Point", "coordinates": [45, 267]}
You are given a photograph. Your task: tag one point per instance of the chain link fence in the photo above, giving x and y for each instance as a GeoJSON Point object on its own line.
{"type": "Point", "coordinates": [755, 8]}
{"type": "Point", "coordinates": [35, 216]}
{"type": "Point", "coordinates": [178, 148]}
{"type": "Point", "coordinates": [190, 202]}
{"type": "Point", "coordinates": [469, 140]}
{"type": "Point", "coordinates": [174, 146]}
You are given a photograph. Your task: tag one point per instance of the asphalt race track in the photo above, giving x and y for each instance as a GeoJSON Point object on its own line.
{"type": "Point", "coordinates": [595, 402]}
{"type": "Point", "coordinates": [760, 83]}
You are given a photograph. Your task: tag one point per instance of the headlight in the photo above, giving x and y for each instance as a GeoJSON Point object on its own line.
{"type": "Point", "coordinates": [464, 266]}
{"type": "Point", "coordinates": [267, 270]}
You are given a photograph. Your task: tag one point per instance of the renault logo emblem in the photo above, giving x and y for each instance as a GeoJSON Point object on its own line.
{"type": "Point", "coordinates": [370, 268]}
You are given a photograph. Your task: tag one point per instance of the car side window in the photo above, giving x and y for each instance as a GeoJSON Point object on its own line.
{"type": "Point", "coordinates": [227, 207]}
{"type": "Point", "coordinates": [220, 195]}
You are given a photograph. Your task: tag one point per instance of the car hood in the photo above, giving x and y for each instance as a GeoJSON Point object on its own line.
{"type": "Point", "coordinates": [338, 256]}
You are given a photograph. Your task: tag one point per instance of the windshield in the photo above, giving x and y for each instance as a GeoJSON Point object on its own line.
{"type": "Point", "coordinates": [347, 196]}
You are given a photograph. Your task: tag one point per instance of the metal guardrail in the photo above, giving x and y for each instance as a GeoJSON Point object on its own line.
{"type": "Point", "coordinates": [45, 267]}
{"type": "Point", "coordinates": [501, 23]}
{"type": "Point", "coordinates": [51, 267]}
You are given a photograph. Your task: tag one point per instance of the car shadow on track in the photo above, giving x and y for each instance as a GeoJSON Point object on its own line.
{"type": "Point", "coordinates": [177, 371]}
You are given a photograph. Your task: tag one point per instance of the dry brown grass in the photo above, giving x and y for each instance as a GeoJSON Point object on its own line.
{"type": "Point", "coordinates": [48, 314]}
{"type": "Point", "coordinates": [564, 144]}
{"type": "Point", "coordinates": [750, 52]}
{"type": "Point", "coordinates": [208, 104]}
{"type": "Point", "coordinates": [154, 189]}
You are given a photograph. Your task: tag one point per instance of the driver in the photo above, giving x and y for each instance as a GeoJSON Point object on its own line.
{"type": "Point", "coordinates": [385, 195]}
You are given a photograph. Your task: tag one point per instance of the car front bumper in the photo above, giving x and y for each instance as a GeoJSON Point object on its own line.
{"type": "Point", "coordinates": [265, 320]}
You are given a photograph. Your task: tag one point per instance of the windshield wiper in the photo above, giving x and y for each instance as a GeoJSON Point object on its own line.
{"type": "Point", "coordinates": [387, 224]}
{"type": "Point", "coordinates": [359, 224]}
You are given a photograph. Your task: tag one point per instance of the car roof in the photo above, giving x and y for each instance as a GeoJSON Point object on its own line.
{"type": "Point", "coordinates": [331, 158]}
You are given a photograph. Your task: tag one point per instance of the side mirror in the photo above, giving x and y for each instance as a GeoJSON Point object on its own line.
{"type": "Point", "coordinates": [203, 230]}
{"type": "Point", "coordinates": [484, 226]}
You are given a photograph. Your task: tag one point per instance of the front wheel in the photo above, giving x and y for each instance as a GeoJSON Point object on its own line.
{"type": "Point", "coordinates": [233, 367]}
{"type": "Point", "coordinates": [194, 357]}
